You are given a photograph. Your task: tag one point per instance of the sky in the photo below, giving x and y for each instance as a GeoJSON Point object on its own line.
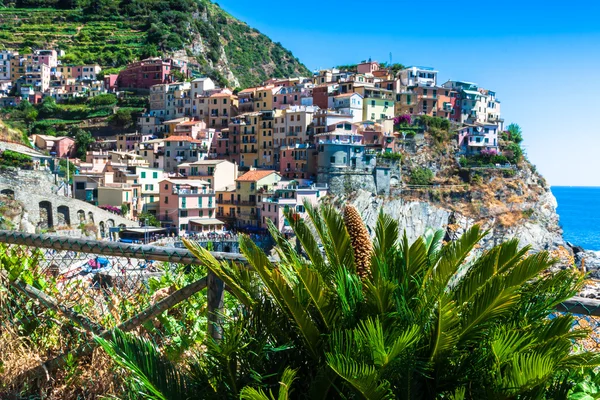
{"type": "Point", "coordinates": [541, 58]}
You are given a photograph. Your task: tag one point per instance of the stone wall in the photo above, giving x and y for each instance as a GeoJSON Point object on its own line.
{"type": "Point", "coordinates": [379, 179]}
{"type": "Point", "coordinates": [46, 209]}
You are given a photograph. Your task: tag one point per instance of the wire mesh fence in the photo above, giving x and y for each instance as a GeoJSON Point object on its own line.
{"type": "Point", "coordinates": [60, 292]}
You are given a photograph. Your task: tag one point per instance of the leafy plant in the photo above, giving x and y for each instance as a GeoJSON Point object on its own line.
{"type": "Point", "coordinates": [420, 320]}
{"type": "Point", "coordinates": [421, 176]}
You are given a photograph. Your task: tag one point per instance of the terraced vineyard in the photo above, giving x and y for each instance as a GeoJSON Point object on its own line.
{"type": "Point", "coordinates": [109, 43]}
{"type": "Point", "coordinates": [113, 33]}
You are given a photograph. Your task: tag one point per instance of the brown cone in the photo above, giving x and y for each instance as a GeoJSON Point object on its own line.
{"type": "Point", "coordinates": [361, 242]}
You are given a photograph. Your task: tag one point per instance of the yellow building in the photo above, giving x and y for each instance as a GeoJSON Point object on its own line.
{"type": "Point", "coordinates": [266, 142]}
{"type": "Point", "coordinates": [247, 195]}
{"type": "Point", "coordinates": [221, 107]}
{"type": "Point", "coordinates": [378, 103]}
{"type": "Point", "coordinates": [243, 137]}
{"type": "Point", "coordinates": [263, 100]}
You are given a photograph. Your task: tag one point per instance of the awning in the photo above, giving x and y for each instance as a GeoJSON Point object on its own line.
{"type": "Point", "coordinates": [206, 221]}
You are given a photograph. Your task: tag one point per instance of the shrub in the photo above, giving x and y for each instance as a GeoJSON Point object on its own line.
{"type": "Point", "coordinates": [421, 176]}
{"type": "Point", "coordinates": [103, 100]}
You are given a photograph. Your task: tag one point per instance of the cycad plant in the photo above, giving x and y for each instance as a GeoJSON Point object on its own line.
{"type": "Point", "coordinates": [353, 318]}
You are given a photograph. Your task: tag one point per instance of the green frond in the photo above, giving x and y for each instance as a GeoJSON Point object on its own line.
{"type": "Point", "coordinates": [385, 347]}
{"type": "Point", "coordinates": [249, 393]}
{"type": "Point", "coordinates": [384, 244]}
{"type": "Point", "coordinates": [362, 377]}
{"type": "Point", "coordinates": [510, 254]}
{"type": "Point", "coordinates": [308, 241]}
{"type": "Point", "coordinates": [445, 333]}
{"type": "Point", "coordinates": [433, 243]}
{"type": "Point", "coordinates": [528, 268]}
{"type": "Point", "coordinates": [285, 386]}
{"type": "Point", "coordinates": [156, 377]}
{"type": "Point", "coordinates": [349, 289]}
{"type": "Point", "coordinates": [319, 294]}
{"type": "Point", "coordinates": [221, 269]}
{"type": "Point", "coordinates": [342, 254]}
{"type": "Point", "coordinates": [491, 302]}
{"type": "Point", "coordinates": [451, 257]}
{"type": "Point", "coordinates": [379, 294]}
{"type": "Point", "coordinates": [525, 372]}
{"type": "Point", "coordinates": [508, 341]}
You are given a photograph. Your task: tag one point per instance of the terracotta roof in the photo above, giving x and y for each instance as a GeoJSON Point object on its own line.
{"type": "Point", "coordinates": [348, 94]}
{"type": "Point", "coordinates": [181, 139]}
{"type": "Point", "coordinates": [249, 90]}
{"type": "Point", "coordinates": [255, 175]}
{"type": "Point", "coordinates": [222, 95]}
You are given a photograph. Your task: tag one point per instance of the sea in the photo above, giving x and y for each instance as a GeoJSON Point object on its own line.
{"type": "Point", "coordinates": [579, 212]}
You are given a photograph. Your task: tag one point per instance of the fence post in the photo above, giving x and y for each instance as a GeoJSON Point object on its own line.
{"type": "Point", "coordinates": [215, 292]}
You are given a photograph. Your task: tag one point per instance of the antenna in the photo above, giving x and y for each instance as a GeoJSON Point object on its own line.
{"type": "Point", "coordinates": [390, 58]}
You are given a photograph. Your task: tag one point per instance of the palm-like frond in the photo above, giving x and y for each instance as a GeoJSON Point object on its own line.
{"type": "Point", "coordinates": [156, 377]}
{"type": "Point", "coordinates": [225, 272]}
{"type": "Point", "coordinates": [386, 346]}
{"type": "Point", "coordinates": [361, 376]}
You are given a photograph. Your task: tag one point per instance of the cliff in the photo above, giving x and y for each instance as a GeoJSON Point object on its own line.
{"type": "Point", "coordinates": [511, 201]}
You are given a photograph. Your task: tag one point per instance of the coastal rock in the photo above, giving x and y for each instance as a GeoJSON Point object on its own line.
{"type": "Point", "coordinates": [590, 260]}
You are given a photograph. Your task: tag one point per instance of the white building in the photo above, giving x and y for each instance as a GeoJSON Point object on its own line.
{"type": "Point", "coordinates": [418, 76]}
{"type": "Point", "coordinates": [349, 104]}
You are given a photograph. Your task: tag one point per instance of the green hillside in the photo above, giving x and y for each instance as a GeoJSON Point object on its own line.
{"type": "Point", "coordinates": [115, 32]}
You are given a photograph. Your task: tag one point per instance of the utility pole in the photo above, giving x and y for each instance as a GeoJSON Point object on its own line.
{"type": "Point", "coordinates": [67, 184]}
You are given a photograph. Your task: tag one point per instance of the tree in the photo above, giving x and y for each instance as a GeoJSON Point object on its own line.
{"type": "Point", "coordinates": [122, 118]}
{"type": "Point", "coordinates": [515, 133]}
{"type": "Point", "coordinates": [83, 139]}
{"type": "Point", "coordinates": [48, 107]}
{"type": "Point", "coordinates": [351, 318]}
{"type": "Point", "coordinates": [421, 176]}
{"type": "Point", "coordinates": [30, 117]}
{"type": "Point", "coordinates": [151, 218]}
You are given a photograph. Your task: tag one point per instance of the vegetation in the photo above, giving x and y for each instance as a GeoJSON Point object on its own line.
{"type": "Point", "coordinates": [114, 33]}
{"type": "Point", "coordinates": [9, 158]}
{"type": "Point", "coordinates": [410, 321]}
{"type": "Point", "coordinates": [151, 218]}
{"type": "Point", "coordinates": [421, 176]}
{"type": "Point", "coordinates": [484, 159]}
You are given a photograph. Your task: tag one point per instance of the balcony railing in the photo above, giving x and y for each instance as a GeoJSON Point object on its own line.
{"type": "Point", "coordinates": [190, 192]}
{"type": "Point", "coordinates": [247, 151]}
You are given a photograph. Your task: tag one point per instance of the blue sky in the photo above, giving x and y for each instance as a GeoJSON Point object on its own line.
{"type": "Point", "coordinates": [541, 58]}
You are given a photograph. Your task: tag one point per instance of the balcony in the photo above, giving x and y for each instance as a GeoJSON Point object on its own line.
{"type": "Point", "coordinates": [192, 192]}
{"type": "Point", "coordinates": [248, 151]}
{"type": "Point", "coordinates": [292, 134]}
{"type": "Point", "coordinates": [226, 216]}
{"type": "Point", "coordinates": [251, 217]}
{"type": "Point", "coordinates": [251, 140]}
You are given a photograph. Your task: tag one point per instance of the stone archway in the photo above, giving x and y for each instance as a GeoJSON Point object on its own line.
{"type": "Point", "coordinates": [46, 220]}
{"type": "Point", "coordinates": [63, 215]}
{"type": "Point", "coordinates": [110, 223]}
{"type": "Point", "coordinates": [394, 180]}
{"type": "Point", "coordinates": [81, 216]}
{"type": "Point", "coordinates": [8, 192]}
{"type": "Point", "coordinates": [90, 217]}
{"type": "Point", "coordinates": [102, 229]}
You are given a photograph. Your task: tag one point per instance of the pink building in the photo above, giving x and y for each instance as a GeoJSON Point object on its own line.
{"type": "Point", "coordinates": [48, 57]}
{"type": "Point", "coordinates": [298, 161]}
{"type": "Point", "coordinates": [472, 139]}
{"type": "Point", "coordinates": [367, 67]}
{"type": "Point", "coordinates": [110, 82]}
{"type": "Point", "coordinates": [62, 146]}
{"type": "Point", "coordinates": [188, 206]}
{"type": "Point", "coordinates": [286, 96]}
{"type": "Point", "coordinates": [288, 197]}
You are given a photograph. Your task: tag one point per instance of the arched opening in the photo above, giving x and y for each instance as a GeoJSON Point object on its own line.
{"type": "Point", "coordinates": [81, 216]}
{"type": "Point", "coordinates": [90, 217]}
{"type": "Point", "coordinates": [102, 230]}
{"type": "Point", "coordinates": [46, 221]}
{"type": "Point", "coordinates": [110, 223]}
{"type": "Point", "coordinates": [394, 181]}
{"type": "Point", "coordinates": [8, 192]}
{"type": "Point", "coordinates": [63, 216]}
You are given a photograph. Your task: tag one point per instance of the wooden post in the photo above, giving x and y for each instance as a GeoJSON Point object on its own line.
{"type": "Point", "coordinates": [215, 292]}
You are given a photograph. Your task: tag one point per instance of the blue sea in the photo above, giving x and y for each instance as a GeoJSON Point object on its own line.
{"type": "Point", "coordinates": [579, 211]}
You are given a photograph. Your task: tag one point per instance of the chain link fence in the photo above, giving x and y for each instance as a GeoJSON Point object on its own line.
{"type": "Point", "coordinates": [57, 293]}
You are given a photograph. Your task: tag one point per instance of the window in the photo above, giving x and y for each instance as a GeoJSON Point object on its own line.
{"type": "Point", "coordinates": [373, 103]}
{"type": "Point", "coordinates": [332, 159]}
{"type": "Point", "coordinates": [143, 175]}
{"type": "Point", "coordinates": [155, 175]}
{"type": "Point", "coordinates": [151, 199]}
{"type": "Point", "coordinates": [80, 186]}
{"type": "Point", "coordinates": [183, 213]}
{"type": "Point", "coordinates": [166, 199]}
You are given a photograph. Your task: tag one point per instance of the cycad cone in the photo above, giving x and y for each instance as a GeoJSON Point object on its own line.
{"type": "Point", "coordinates": [361, 242]}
